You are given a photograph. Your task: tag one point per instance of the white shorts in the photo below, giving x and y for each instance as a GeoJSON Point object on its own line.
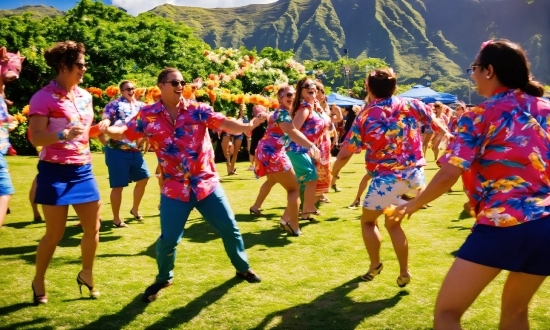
{"type": "Point", "coordinates": [386, 190]}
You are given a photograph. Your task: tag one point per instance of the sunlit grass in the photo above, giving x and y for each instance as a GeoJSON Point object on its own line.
{"type": "Point", "coordinates": [309, 282]}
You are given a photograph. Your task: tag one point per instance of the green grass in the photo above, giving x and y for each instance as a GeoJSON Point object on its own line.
{"type": "Point", "coordinates": [309, 282]}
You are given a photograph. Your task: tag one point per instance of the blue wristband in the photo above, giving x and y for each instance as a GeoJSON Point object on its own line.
{"type": "Point", "coordinates": [60, 136]}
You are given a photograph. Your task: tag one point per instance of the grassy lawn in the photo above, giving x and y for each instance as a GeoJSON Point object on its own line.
{"type": "Point", "coordinates": [309, 282]}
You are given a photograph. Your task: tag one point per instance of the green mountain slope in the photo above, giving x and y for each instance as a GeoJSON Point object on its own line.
{"type": "Point", "coordinates": [418, 37]}
{"type": "Point", "coordinates": [38, 11]}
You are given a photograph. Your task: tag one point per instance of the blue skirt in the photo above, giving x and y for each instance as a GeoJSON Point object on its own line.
{"type": "Point", "coordinates": [65, 184]}
{"type": "Point", "coordinates": [522, 248]}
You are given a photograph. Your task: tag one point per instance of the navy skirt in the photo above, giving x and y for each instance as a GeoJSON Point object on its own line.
{"type": "Point", "coordinates": [65, 184]}
{"type": "Point", "coordinates": [522, 248]}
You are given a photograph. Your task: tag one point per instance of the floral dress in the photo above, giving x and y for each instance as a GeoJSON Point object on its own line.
{"type": "Point", "coordinates": [313, 127]}
{"type": "Point", "coordinates": [270, 153]}
{"type": "Point", "coordinates": [323, 165]}
{"type": "Point", "coordinates": [503, 146]}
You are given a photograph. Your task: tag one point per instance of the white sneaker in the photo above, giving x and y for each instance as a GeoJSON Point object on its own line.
{"type": "Point", "coordinates": [251, 168]}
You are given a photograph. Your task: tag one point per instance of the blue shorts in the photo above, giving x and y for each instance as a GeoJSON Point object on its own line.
{"type": "Point", "coordinates": [303, 167]}
{"type": "Point", "coordinates": [125, 167]}
{"type": "Point", "coordinates": [65, 184]}
{"type": "Point", "coordinates": [6, 186]}
{"type": "Point", "coordinates": [520, 248]}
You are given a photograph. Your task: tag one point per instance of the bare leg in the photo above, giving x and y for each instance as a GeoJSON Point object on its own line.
{"type": "Point", "coordinates": [237, 147]}
{"type": "Point", "coordinates": [426, 138]}
{"type": "Point", "coordinates": [56, 219]}
{"type": "Point", "coordinates": [116, 200]}
{"type": "Point", "coordinates": [309, 197]}
{"type": "Point", "coordinates": [371, 236]}
{"type": "Point", "coordinates": [139, 191]}
{"type": "Point", "coordinates": [463, 283]}
{"type": "Point", "coordinates": [435, 145]}
{"type": "Point", "coordinates": [227, 155]}
{"type": "Point", "coordinates": [518, 291]}
{"type": "Point", "coordinates": [4, 203]}
{"type": "Point", "coordinates": [362, 186]}
{"type": "Point", "coordinates": [32, 194]}
{"type": "Point", "coordinates": [400, 245]}
{"type": "Point", "coordinates": [264, 191]}
{"type": "Point", "coordinates": [288, 181]}
{"type": "Point", "coordinates": [88, 213]}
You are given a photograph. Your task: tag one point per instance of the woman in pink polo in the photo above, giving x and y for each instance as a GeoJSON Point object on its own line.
{"type": "Point", "coordinates": [61, 115]}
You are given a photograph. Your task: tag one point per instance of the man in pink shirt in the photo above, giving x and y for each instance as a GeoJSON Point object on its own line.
{"type": "Point", "coordinates": [178, 131]}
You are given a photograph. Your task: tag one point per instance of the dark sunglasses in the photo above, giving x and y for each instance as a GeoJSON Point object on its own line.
{"type": "Point", "coordinates": [309, 86]}
{"type": "Point", "coordinates": [176, 83]}
{"type": "Point", "coordinates": [81, 66]}
{"type": "Point", "coordinates": [290, 94]}
{"type": "Point", "coordinates": [131, 89]}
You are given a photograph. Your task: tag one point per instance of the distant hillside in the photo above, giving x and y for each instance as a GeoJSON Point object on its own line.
{"type": "Point", "coordinates": [415, 36]}
{"type": "Point", "coordinates": [38, 11]}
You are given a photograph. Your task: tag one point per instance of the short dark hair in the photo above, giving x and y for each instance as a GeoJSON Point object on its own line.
{"type": "Point", "coordinates": [63, 54]}
{"type": "Point", "coordinates": [123, 83]}
{"type": "Point", "coordinates": [510, 66]}
{"type": "Point", "coordinates": [382, 82]}
{"type": "Point", "coordinates": [164, 73]}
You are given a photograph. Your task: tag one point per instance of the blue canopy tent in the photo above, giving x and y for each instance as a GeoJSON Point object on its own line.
{"type": "Point", "coordinates": [343, 101]}
{"type": "Point", "coordinates": [428, 95]}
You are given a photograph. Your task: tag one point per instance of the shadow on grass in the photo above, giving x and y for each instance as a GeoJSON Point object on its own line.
{"type": "Point", "coordinates": [26, 324]}
{"type": "Point", "coordinates": [454, 253]}
{"type": "Point", "coordinates": [332, 310]}
{"type": "Point", "coordinates": [121, 318]}
{"type": "Point", "coordinates": [201, 232]}
{"type": "Point", "coordinates": [179, 316]}
{"type": "Point", "coordinates": [459, 227]}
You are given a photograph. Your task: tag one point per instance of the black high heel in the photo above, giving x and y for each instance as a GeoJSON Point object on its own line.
{"type": "Point", "coordinates": [38, 300]}
{"type": "Point", "coordinates": [256, 212]}
{"type": "Point", "coordinates": [94, 293]}
{"type": "Point", "coordinates": [286, 227]}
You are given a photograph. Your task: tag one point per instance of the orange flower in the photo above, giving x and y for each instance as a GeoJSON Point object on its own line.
{"type": "Point", "coordinates": [239, 99]}
{"type": "Point", "coordinates": [211, 84]}
{"type": "Point", "coordinates": [188, 91]}
{"type": "Point", "coordinates": [264, 101]}
{"type": "Point", "coordinates": [137, 94]}
{"type": "Point", "coordinates": [274, 104]}
{"type": "Point", "coordinates": [112, 91]}
{"type": "Point", "coordinates": [212, 96]}
{"type": "Point", "coordinates": [206, 52]}
{"type": "Point", "coordinates": [213, 76]}
{"type": "Point", "coordinates": [26, 110]}
{"type": "Point", "coordinates": [253, 99]}
{"type": "Point", "coordinates": [269, 88]}
{"type": "Point", "coordinates": [95, 91]}
{"type": "Point", "coordinates": [226, 96]}
{"type": "Point", "coordinates": [153, 93]}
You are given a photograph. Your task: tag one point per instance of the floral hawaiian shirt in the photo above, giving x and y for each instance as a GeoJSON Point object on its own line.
{"type": "Point", "coordinates": [313, 127]}
{"type": "Point", "coordinates": [52, 101]}
{"type": "Point", "coordinates": [270, 154]}
{"type": "Point", "coordinates": [389, 131]}
{"type": "Point", "coordinates": [4, 127]}
{"type": "Point", "coordinates": [119, 112]}
{"type": "Point", "coordinates": [183, 147]}
{"type": "Point", "coordinates": [503, 145]}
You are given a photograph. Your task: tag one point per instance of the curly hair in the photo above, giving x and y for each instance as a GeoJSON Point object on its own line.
{"type": "Point", "coordinates": [64, 55]}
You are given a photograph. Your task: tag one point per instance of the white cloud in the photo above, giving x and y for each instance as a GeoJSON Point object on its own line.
{"type": "Point", "coordinates": [135, 7]}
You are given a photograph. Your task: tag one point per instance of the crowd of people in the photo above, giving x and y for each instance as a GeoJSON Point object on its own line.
{"type": "Point", "coordinates": [500, 148]}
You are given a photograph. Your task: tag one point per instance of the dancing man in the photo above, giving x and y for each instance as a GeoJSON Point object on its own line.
{"type": "Point", "coordinates": [123, 158]}
{"type": "Point", "coordinates": [177, 128]}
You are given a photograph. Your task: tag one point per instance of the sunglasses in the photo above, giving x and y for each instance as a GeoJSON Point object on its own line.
{"type": "Point", "coordinates": [81, 66]}
{"type": "Point", "coordinates": [289, 94]}
{"type": "Point", "coordinates": [473, 67]}
{"type": "Point", "coordinates": [176, 83]}
{"type": "Point", "coordinates": [131, 89]}
{"type": "Point", "coordinates": [309, 86]}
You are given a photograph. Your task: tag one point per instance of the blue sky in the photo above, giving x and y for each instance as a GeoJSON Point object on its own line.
{"type": "Point", "coordinates": [134, 6]}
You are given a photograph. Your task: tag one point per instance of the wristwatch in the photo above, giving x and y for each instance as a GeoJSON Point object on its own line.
{"type": "Point", "coordinates": [61, 135]}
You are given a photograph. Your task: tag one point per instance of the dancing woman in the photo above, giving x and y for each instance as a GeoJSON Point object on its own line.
{"type": "Point", "coordinates": [61, 115]}
{"type": "Point", "coordinates": [271, 160]}
{"type": "Point", "coordinates": [10, 67]}
{"type": "Point", "coordinates": [501, 153]}
{"type": "Point", "coordinates": [307, 117]}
